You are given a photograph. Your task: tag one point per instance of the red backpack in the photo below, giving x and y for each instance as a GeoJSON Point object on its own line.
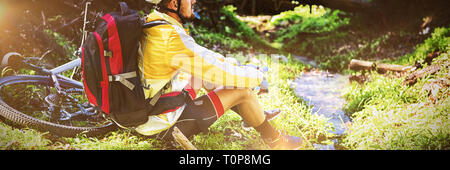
{"type": "Point", "coordinates": [110, 67]}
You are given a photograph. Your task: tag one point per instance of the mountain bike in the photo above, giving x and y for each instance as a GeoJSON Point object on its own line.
{"type": "Point", "coordinates": [48, 100]}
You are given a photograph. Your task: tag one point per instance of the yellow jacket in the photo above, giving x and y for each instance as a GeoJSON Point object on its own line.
{"type": "Point", "coordinates": [168, 55]}
{"type": "Point", "coordinates": [168, 49]}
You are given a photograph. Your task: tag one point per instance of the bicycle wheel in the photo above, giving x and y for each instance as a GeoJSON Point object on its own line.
{"type": "Point", "coordinates": [32, 101]}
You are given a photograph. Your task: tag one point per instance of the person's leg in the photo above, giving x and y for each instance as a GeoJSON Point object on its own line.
{"type": "Point", "coordinates": [203, 111]}
{"type": "Point", "coordinates": [198, 115]}
{"type": "Point", "coordinates": [241, 101]}
{"type": "Point", "coordinates": [248, 107]}
{"type": "Point", "coordinates": [245, 103]}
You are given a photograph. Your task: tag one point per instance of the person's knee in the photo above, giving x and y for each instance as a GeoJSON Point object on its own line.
{"type": "Point", "coordinates": [245, 93]}
{"type": "Point", "coordinates": [231, 97]}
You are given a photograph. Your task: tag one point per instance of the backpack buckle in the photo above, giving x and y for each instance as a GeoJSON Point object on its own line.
{"type": "Point", "coordinates": [122, 78]}
{"type": "Point", "coordinates": [107, 53]}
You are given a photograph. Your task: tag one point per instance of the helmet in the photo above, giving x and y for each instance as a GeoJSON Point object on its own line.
{"type": "Point", "coordinates": [156, 2]}
{"type": "Point", "coordinates": [153, 1]}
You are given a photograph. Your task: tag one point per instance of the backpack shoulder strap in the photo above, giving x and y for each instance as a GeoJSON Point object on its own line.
{"type": "Point", "coordinates": [124, 10]}
{"type": "Point", "coordinates": [154, 23]}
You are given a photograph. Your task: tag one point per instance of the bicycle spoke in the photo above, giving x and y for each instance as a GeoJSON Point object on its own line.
{"type": "Point", "coordinates": [43, 102]}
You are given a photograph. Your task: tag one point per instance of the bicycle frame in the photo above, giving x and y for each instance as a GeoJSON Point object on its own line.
{"type": "Point", "coordinates": [54, 73]}
{"type": "Point", "coordinates": [65, 67]}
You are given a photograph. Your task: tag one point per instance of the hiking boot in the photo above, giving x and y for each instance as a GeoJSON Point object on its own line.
{"type": "Point", "coordinates": [271, 114]}
{"type": "Point", "coordinates": [285, 142]}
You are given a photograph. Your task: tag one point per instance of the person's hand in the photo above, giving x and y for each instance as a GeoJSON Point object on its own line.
{"type": "Point", "coordinates": [264, 86]}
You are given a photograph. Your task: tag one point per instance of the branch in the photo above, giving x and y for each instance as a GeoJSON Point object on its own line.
{"type": "Point", "coordinates": [182, 140]}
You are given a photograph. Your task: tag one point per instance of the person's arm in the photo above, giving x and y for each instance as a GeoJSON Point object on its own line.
{"type": "Point", "coordinates": [207, 65]}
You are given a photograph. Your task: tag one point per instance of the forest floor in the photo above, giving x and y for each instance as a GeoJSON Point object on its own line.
{"type": "Point", "coordinates": [360, 112]}
{"type": "Point", "coordinates": [381, 113]}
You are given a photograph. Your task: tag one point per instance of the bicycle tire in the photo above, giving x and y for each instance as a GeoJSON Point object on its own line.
{"type": "Point", "coordinates": [23, 119]}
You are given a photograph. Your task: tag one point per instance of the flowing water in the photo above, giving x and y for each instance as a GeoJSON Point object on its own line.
{"type": "Point", "coordinates": [324, 92]}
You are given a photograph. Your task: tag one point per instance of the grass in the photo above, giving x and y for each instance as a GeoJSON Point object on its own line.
{"type": "Point", "coordinates": [398, 118]}
{"type": "Point", "coordinates": [381, 91]}
{"type": "Point", "coordinates": [389, 115]}
{"type": "Point", "coordinates": [298, 14]}
{"type": "Point", "coordinates": [225, 134]}
{"type": "Point", "coordinates": [439, 41]}
{"type": "Point", "coordinates": [23, 139]}
{"type": "Point", "coordinates": [332, 38]}
{"type": "Point", "coordinates": [385, 113]}
{"type": "Point", "coordinates": [229, 34]}
{"type": "Point", "coordinates": [302, 123]}
{"type": "Point", "coordinates": [321, 20]}
{"type": "Point", "coordinates": [315, 34]}
{"type": "Point", "coordinates": [217, 41]}
{"type": "Point", "coordinates": [117, 140]}
{"type": "Point", "coordinates": [295, 119]}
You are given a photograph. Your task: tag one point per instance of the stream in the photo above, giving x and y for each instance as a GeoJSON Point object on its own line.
{"type": "Point", "coordinates": [324, 92]}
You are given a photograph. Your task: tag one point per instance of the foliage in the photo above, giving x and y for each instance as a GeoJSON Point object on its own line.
{"type": "Point", "coordinates": [389, 115]}
{"type": "Point", "coordinates": [217, 41]}
{"type": "Point", "coordinates": [364, 45]}
{"type": "Point", "coordinates": [439, 41]}
{"type": "Point", "coordinates": [397, 118]}
{"type": "Point", "coordinates": [118, 140]}
{"type": "Point", "coordinates": [314, 34]}
{"type": "Point", "coordinates": [332, 37]}
{"type": "Point", "coordinates": [227, 133]}
{"type": "Point", "coordinates": [320, 21]}
{"type": "Point", "coordinates": [295, 119]}
{"type": "Point", "coordinates": [338, 62]}
{"type": "Point", "coordinates": [382, 91]}
{"type": "Point", "coordinates": [25, 139]}
{"type": "Point", "coordinates": [235, 33]}
{"type": "Point", "coordinates": [386, 114]}
{"type": "Point", "coordinates": [415, 126]}
{"type": "Point", "coordinates": [62, 41]}
{"type": "Point", "coordinates": [298, 14]}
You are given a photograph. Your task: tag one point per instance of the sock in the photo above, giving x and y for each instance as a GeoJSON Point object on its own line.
{"type": "Point", "coordinates": [267, 131]}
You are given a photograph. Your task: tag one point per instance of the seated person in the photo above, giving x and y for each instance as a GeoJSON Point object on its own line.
{"type": "Point", "coordinates": [168, 55]}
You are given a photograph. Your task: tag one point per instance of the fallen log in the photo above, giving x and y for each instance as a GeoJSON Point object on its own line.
{"type": "Point", "coordinates": [414, 76]}
{"type": "Point", "coordinates": [182, 140]}
{"type": "Point", "coordinates": [360, 65]}
{"type": "Point", "coordinates": [383, 68]}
